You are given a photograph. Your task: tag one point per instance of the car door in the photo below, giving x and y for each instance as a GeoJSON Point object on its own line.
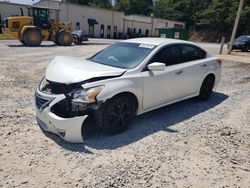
{"type": "Point", "coordinates": [194, 65]}
{"type": "Point", "coordinates": [164, 86]}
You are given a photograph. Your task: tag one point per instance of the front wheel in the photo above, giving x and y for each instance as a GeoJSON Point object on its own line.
{"type": "Point", "coordinates": [206, 87]}
{"type": "Point", "coordinates": [117, 115]}
{"type": "Point", "coordinates": [64, 39]}
{"type": "Point", "coordinates": [77, 40]}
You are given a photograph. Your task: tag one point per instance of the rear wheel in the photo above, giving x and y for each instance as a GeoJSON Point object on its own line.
{"type": "Point", "coordinates": [64, 39]}
{"type": "Point", "coordinates": [206, 87]}
{"type": "Point", "coordinates": [117, 115]}
{"type": "Point", "coordinates": [32, 37]}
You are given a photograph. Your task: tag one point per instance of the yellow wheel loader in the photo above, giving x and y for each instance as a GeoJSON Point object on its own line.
{"type": "Point", "coordinates": [31, 30]}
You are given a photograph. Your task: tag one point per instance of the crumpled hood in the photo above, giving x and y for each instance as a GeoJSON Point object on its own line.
{"type": "Point", "coordinates": [70, 70]}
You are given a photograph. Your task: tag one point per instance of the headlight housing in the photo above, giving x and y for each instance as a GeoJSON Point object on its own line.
{"type": "Point", "coordinates": [43, 84]}
{"type": "Point", "coordinates": [86, 95]}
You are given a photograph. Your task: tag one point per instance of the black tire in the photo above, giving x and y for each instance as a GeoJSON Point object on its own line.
{"type": "Point", "coordinates": [32, 37]}
{"type": "Point", "coordinates": [77, 40]}
{"type": "Point", "coordinates": [206, 87]}
{"type": "Point", "coordinates": [116, 115]}
{"type": "Point", "coordinates": [64, 39]}
{"type": "Point", "coordinates": [22, 41]}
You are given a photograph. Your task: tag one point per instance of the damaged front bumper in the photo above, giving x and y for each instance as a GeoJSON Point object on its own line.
{"type": "Point", "coordinates": [69, 129]}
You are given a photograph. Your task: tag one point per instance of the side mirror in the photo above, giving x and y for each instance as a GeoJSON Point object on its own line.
{"type": "Point", "coordinates": [156, 66]}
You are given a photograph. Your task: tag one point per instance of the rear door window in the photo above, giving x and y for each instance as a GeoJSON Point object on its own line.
{"type": "Point", "coordinates": [191, 53]}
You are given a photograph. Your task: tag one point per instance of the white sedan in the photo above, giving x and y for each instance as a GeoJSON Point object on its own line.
{"type": "Point", "coordinates": [126, 79]}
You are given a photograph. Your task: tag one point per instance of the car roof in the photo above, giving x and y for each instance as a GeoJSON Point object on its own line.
{"type": "Point", "coordinates": [156, 41]}
{"type": "Point", "coordinates": [245, 36]}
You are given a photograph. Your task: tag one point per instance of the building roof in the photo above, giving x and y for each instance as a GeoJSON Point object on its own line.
{"type": "Point", "coordinates": [10, 3]}
{"type": "Point", "coordinates": [76, 4]}
{"type": "Point", "coordinates": [155, 41]}
{"type": "Point", "coordinates": [28, 5]}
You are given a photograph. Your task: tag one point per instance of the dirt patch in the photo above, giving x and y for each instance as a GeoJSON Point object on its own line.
{"type": "Point", "coordinates": [237, 57]}
{"type": "Point", "coordinates": [245, 80]}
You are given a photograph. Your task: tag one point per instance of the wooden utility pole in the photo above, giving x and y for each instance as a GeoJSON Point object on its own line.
{"type": "Point", "coordinates": [222, 45]}
{"type": "Point", "coordinates": [235, 26]}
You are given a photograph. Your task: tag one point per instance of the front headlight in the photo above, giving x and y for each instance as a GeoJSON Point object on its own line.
{"type": "Point", "coordinates": [43, 84]}
{"type": "Point", "coordinates": [86, 95]}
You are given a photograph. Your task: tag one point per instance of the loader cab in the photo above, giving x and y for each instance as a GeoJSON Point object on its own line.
{"type": "Point", "coordinates": [40, 16]}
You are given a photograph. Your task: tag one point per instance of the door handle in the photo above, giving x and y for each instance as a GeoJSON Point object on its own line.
{"type": "Point", "coordinates": [204, 65]}
{"type": "Point", "coordinates": [179, 72]}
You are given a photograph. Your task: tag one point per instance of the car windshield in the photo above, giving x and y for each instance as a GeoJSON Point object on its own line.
{"type": "Point", "coordinates": [242, 38]}
{"type": "Point", "coordinates": [123, 55]}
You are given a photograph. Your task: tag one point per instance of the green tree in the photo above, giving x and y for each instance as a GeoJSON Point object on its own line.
{"type": "Point", "coordinates": [143, 7]}
{"type": "Point", "coordinates": [214, 16]}
{"type": "Point", "coordinates": [220, 16]}
{"type": "Point", "coordinates": [101, 3]}
{"type": "Point", "coordinates": [97, 3]}
{"type": "Point", "coordinates": [188, 11]}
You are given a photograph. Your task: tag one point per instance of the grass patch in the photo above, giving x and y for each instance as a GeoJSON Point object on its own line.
{"type": "Point", "coordinates": [6, 36]}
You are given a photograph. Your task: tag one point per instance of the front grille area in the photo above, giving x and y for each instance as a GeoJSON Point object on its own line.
{"type": "Point", "coordinates": [42, 102]}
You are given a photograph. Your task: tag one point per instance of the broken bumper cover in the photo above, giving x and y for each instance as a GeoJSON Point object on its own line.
{"type": "Point", "coordinates": [69, 129]}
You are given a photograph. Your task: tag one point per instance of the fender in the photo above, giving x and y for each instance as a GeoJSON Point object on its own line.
{"type": "Point", "coordinates": [27, 28]}
{"type": "Point", "coordinates": [131, 85]}
{"type": "Point", "coordinates": [217, 75]}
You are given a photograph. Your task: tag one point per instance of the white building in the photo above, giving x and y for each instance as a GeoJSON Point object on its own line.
{"type": "Point", "coordinates": [98, 22]}
{"type": "Point", "coordinates": [146, 25]}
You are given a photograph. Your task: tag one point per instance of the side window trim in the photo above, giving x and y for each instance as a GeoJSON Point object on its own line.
{"type": "Point", "coordinates": [181, 55]}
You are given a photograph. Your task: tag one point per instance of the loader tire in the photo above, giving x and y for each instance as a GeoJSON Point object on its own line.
{"type": "Point", "coordinates": [64, 39]}
{"type": "Point", "coordinates": [22, 41]}
{"type": "Point", "coordinates": [32, 37]}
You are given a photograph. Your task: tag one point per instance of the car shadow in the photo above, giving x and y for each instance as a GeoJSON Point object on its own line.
{"type": "Point", "coordinates": [66, 145]}
{"type": "Point", "coordinates": [146, 124]}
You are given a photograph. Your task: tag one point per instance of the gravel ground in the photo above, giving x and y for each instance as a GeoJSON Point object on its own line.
{"type": "Point", "coordinates": [188, 144]}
